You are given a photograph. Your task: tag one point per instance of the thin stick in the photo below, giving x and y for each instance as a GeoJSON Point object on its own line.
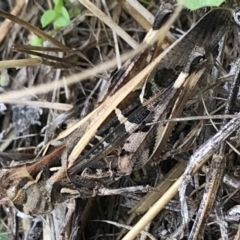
{"type": "Point", "coordinates": [19, 63]}
{"type": "Point", "coordinates": [5, 26]}
{"type": "Point", "coordinates": [48, 105]}
{"type": "Point", "coordinates": [138, 12]}
{"type": "Point", "coordinates": [108, 21]}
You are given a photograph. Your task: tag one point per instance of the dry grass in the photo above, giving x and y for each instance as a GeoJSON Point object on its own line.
{"type": "Point", "coordinates": [45, 99]}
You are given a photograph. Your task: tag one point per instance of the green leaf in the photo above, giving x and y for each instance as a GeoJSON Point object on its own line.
{"type": "Point", "coordinates": [3, 235]}
{"type": "Point", "coordinates": [57, 1]}
{"type": "Point", "coordinates": [58, 6]}
{"type": "Point", "coordinates": [61, 21]}
{"type": "Point", "coordinates": [65, 14]}
{"type": "Point", "coordinates": [36, 41]}
{"type": "Point", "coordinates": [3, 83]}
{"type": "Point", "coordinates": [48, 17]}
{"type": "Point", "coordinates": [63, 18]}
{"type": "Point", "coordinates": [195, 4]}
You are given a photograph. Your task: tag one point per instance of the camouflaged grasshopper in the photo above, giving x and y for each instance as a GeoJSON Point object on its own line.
{"type": "Point", "coordinates": [124, 142]}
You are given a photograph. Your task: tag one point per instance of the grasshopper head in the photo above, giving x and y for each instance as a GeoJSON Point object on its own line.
{"type": "Point", "coordinates": [10, 180]}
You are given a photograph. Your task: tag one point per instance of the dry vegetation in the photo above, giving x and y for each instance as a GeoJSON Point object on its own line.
{"type": "Point", "coordinates": [70, 82]}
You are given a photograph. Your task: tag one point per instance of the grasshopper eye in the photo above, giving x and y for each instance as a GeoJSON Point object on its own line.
{"type": "Point", "coordinates": [159, 22]}
{"type": "Point", "coordinates": [164, 13]}
{"type": "Point", "coordinates": [197, 62]}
